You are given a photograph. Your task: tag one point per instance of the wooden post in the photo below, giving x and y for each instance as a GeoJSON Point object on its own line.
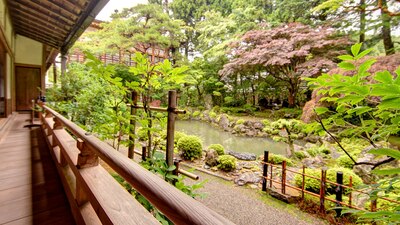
{"type": "Point", "coordinates": [322, 192]}
{"type": "Point", "coordinates": [55, 74]}
{"type": "Point", "coordinates": [33, 111]}
{"type": "Point", "coordinates": [171, 127]}
{"type": "Point", "coordinates": [265, 171]}
{"type": "Point", "coordinates": [350, 192]}
{"type": "Point", "coordinates": [87, 157]}
{"type": "Point", "coordinates": [284, 177]}
{"type": "Point", "coordinates": [57, 124]}
{"type": "Point", "coordinates": [81, 196]}
{"type": "Point", "coordinates": [131, 148]}
{"type": "Point", "coordinates": [373, 204]}
{"type": "Point", "coordinates": [176, 171]}
{"type": "Point", "coordinates": [270, 177]}
{"type": "Point", "coordinates": [63, 68]}
{"type": "Point", "coordinates": [144, 152]}
{"type": "Point", "coordinates": [339, 192]}
{"type": "Point", "coordinates": [303, 182]}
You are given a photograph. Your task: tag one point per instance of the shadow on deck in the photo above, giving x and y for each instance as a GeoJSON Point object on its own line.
{"type": "Point", "coordinates": [30, 189]}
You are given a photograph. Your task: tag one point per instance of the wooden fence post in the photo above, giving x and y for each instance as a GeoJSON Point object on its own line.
{"type": "Point", "coordinates": [131, 148]}
{"type": "Point", "coordinates": [284, 177]}
{"type": "Point", "coordinates": [322, 192]}
{"type": "Point", "coordinates": [270, 177]}
{"type": "Point", "coordinates": [176, 171]}
{"type": "Point", "coordinates": [265, 171]}
{"type": "Point", "coordinates": [339, 192]}
{"type": "Point", "coordinates": [171, 127]}
{"type": "Point", "coordinates": [303, 183]}
{"type": "Point", "coordinates": [144, 152]}
{"type": "Point", "coordinates": [350, 192]}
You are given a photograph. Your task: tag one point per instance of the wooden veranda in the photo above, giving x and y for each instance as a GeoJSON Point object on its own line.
{"type": "Point", "coordinates": [30, 188]}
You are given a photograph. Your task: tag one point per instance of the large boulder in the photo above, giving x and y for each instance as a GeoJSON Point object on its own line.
{"type": "Point", "coordinates": [224, 122]}
{"type": "Point", "coordinates": [242, 155]}
{"type": "Point", "coordinates": [247, 178]}
{"type": "Point", "coordinates": [211, 158]}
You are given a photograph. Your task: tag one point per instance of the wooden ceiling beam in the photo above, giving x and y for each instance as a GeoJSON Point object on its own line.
{"type": "Point", "coordinates": [55, 5]}
{"type": "Point", "coordinates": [31, 19]}
{"type": "Point", "coordinates": [43, 10]}
{"type": "Point", "coordinates": [37, 31]}
{"type": "Point", "coordinates": [66, 7]}
{"type": "Point", "coordinates": [39, 38]}
{"type": "Point", "coordinates": [52, 35]}
{"type": "Point", "coordinates": [44, 19]}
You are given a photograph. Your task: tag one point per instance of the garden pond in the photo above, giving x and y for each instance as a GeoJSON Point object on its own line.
{"type": "Point", "coordinates": [213, 135]}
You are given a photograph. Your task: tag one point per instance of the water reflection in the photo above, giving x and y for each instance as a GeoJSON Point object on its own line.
{"type": "Point", "coordinates": [213, 135]}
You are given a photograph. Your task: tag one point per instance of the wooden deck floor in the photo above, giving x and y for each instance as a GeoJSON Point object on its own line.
{"type": "Point", "coordinates": [30, 189]}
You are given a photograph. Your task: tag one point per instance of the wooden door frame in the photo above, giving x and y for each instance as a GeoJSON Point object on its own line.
{"type": "Point", "coordinates": [27, 66]}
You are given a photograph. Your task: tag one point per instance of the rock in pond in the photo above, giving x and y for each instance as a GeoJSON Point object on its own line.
{"type": "Point", "coordinates": [242, 155]}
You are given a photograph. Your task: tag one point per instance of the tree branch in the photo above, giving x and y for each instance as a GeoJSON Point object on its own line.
{"type": "Point", "coordinates": [333, 137]}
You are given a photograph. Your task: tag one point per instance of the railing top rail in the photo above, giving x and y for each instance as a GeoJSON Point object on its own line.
{"type": "Point", "coordinates": [177, 206]}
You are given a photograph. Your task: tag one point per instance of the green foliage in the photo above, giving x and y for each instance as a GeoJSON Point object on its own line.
{"type": "Point", "coordinates": [142, 134]}
{"type": "Point", "coordinates": [313, 151]}
{"type": "Point", "coordinates": [190, 146]}
{"type": "Point", "coordinates": [300, 155]}
{"type": "Point", "coordinates": [227, 162]}
{"type": "Point", "coordinates": [178, 135]}
{"type": "Point", "coordinates": [345, 161]}
{"type": "Point", "coordinates": [240, 121]}
{"type": "Point", "coordinates": [196, 113]}
{"type": "Point", "coordinates": [313, 185]}
{"type": "Point", "coordinates": [218, 148]}
{"type": "Point", "coordinates": [278, 159]}
{"type": "Point", "coordinates": [212, 115]}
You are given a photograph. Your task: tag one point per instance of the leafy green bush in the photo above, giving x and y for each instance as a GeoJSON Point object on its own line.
{"type": "Point", "coordinates": [218, 148]}
{"type": "Point", "coordinates": [313, 151]}
{"type": "Point", "coordinates": [216, 109]}
{"type": "Point", "coordinates": [190, 146]}
{"type": "Point", "coordinates": [300, 155]}
{"type": "Point", "coordinates": [266, 123]}
{"type": "Point", "coordinates": [278, 159]}
{"type": "Point", "coordinates": [240, 121]}
{"type": "Point", "coordinates": [196, 114]}
{"type": "Point", "coordinates": [313, 185]}
{"type": "Point", "coordinates": [142, 134]}
{"type": "Point", "coordinates": [178, 135]}
{"type": "Point", "coordinates": [227, 162]}
{"type": "Point", "coordinates": [345, 161]}
{"type": "Point", "coordinates": [212, 115]}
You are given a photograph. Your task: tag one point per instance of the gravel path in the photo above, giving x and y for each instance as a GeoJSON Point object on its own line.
{"type": "Point", "coordinates": [248, 206]}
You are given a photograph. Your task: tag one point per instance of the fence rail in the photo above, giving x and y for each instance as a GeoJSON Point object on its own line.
{"type": "Point", "coordinates": [268, 169]}
{"type": "Point", "coordinates": [95, 196]}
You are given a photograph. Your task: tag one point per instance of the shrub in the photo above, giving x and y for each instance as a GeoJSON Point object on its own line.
{"type": "Point", "coordinates": [240, 121]}
{"type": "Point", "coordinates": [216, 109]}
{"type": "Point", "coordinates": [313, 185]}
{"type": "Point", "coordinates": [278, 159]}
{"type": "Point", "coordinates": [313, 151]}
{"type": "Point", "coordinates": [345, 161]}
{"type": "Point", "coordinates": [266, 123]}
{"type": "Point", "coordinates": [178, 135]}
{"type": "Point", "coordinates": [300, 155]}
{"type": "Point", "coordinates": [142, 134]}
{"type": "Point", "coordinates": [226, 162]}
{"type": "Point", "coordinates": [218, 148]}
{"type": "Point", "coordinates": [190, 146]}
{"type": "Point", "coordinates": [212, 115]}
{"type": "Point", "coordinates": [196, 114]}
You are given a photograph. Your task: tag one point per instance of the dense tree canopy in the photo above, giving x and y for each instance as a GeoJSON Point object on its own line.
{"type": "Point", "coordinates": [287, 53]}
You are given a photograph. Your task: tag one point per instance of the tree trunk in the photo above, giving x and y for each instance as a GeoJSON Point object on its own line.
{"type": "Point", "coordinates": [386, 28]}
{"type": "Point", "coordinates": [292, 98]}
{"type": "Point", "coordinates": [362, 21]}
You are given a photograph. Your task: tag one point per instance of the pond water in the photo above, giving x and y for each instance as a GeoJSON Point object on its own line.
{"type": "Point", "coordinates": [212, 135]}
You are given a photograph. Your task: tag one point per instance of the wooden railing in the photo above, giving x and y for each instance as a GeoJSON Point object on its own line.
{"type": "Point", "coordinates": [269, 180]}
{"type": "Point", "coordinates": [95, 197]}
